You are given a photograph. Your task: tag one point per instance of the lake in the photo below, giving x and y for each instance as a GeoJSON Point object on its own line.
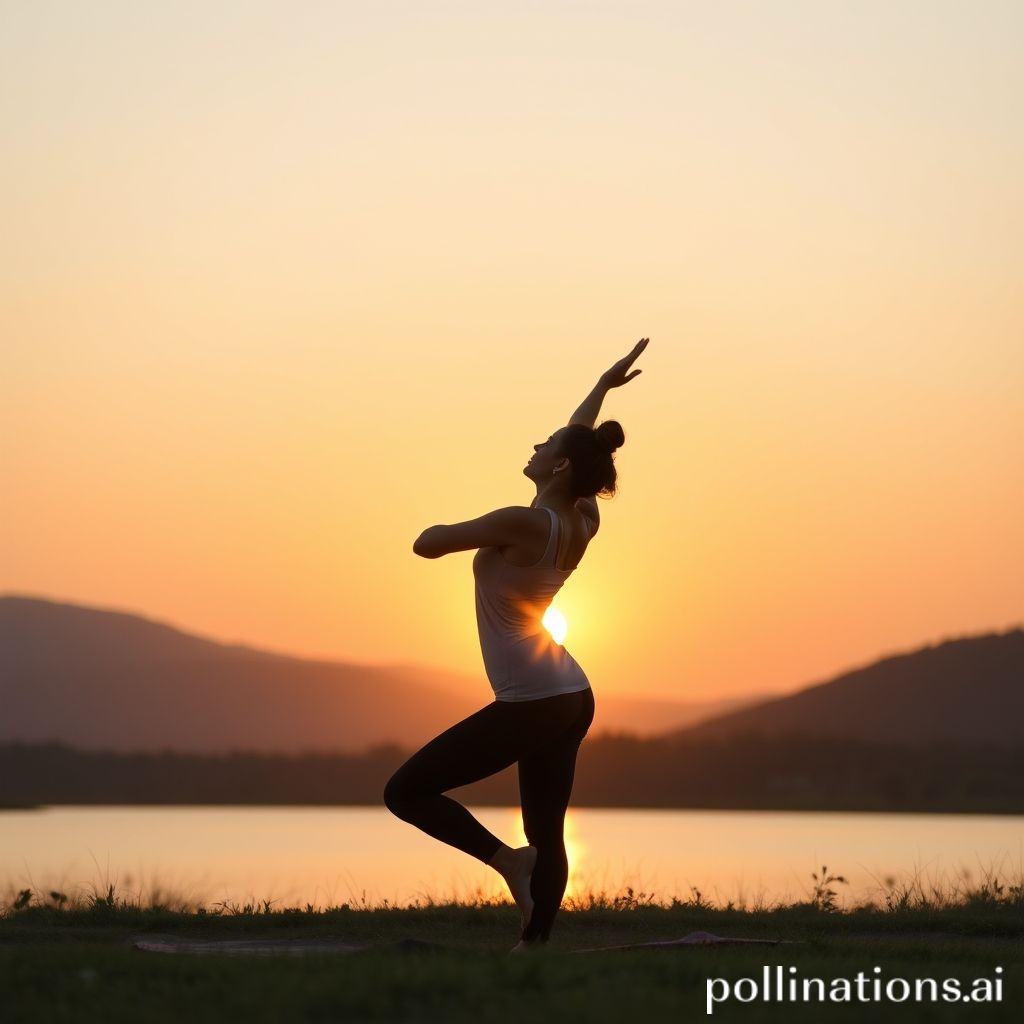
{"type": "Point", "coordinates": [332, 855]}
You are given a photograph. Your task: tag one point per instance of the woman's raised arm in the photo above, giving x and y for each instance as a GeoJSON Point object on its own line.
{"type": "Point", "coordinates": [614, 377]}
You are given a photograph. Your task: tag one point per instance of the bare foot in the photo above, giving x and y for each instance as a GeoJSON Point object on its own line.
{"type": "Point", "coordinates": [522, 946]}
{"type": "Point", "coordinates": [516, 867]}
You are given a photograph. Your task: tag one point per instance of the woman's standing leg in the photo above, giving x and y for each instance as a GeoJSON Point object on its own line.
{"type": "Point", "coordinates": [545, 785]}
{"type": "Point", "coordinates": [481, 745]}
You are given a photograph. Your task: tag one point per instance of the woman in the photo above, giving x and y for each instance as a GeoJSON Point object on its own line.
{"type": "Point", "coordinates": [543, 703]}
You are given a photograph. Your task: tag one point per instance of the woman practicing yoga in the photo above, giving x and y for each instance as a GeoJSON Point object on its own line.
{"type": "Point", "coordinates": [543, 703]}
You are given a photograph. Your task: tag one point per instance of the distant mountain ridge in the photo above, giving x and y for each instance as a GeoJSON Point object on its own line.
{"type": "Point", "coordinates": [969, 690]}
{"type": "Point", "coordinates": [109, 680]}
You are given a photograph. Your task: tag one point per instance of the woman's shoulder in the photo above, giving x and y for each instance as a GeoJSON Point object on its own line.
{"type": "Point", "coordinates": [587, 507]}
{"type": "Point", "coordinates": [521, 517]}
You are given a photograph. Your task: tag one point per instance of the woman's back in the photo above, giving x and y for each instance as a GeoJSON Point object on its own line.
{"type": "Point", "coordinates": [573, 536]}
{"type": "Point", "coordinates": [522, 660]}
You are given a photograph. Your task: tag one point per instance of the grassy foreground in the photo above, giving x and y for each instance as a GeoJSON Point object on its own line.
{"type": "Point", "coordinates": [76, 962]}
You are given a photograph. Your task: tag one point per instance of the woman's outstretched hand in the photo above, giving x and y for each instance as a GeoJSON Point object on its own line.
{"type": "Point", "coordinates": [616, 376]}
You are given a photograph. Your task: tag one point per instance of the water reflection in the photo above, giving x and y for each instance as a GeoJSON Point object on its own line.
{"type": "Point", "coordinates": [576, 850]}
{"type": "Point", "coordinates": [326, 856]}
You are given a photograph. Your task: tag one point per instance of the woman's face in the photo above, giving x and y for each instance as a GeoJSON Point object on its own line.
{"type": "Point", "coordinates": [546, 456]}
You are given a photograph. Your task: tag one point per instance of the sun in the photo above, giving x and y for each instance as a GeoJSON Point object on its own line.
{"type": "Point", "coordinates": [554, 622]}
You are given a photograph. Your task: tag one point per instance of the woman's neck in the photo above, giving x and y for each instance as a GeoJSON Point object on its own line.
{"type": "Point", "coordinates": [553, 497]}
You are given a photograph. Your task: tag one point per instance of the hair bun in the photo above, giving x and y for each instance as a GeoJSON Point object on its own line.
{"type": "Point", "coordinates": [609, 435]}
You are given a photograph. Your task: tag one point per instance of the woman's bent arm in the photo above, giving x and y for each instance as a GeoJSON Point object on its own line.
{"type": "Point", "coordinates": [501, 527]}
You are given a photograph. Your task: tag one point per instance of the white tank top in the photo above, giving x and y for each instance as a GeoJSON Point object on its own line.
{"type": "Point", "coordinates": [522, 660]}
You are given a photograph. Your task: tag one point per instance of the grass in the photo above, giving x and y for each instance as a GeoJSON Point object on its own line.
{"type": "Point", "coordinates": [71, 958]}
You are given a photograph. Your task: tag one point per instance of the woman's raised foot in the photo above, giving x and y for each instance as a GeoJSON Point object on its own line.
{"type": "Point", "coordinates": [516, 867]}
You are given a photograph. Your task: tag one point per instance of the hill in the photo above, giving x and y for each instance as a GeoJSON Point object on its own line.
{"type": "Point", "coordinates": [108, 680]}
{"type": "Point", "coordinates": [967, 690]}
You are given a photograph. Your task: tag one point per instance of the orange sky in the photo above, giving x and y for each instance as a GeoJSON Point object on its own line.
{"type": "Point", "coordinates": [281, 288]}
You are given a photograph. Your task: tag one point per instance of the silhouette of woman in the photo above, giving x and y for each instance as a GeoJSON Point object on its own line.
{"type": "Point", "coordinates": [543, 702]}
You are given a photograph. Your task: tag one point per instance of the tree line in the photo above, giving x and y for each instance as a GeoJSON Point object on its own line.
{"type": "Point", "coordinates": [795, 772]}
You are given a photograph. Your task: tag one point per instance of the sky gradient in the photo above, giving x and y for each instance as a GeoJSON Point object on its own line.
{"type": "Point", "coordinates": [282, 285]}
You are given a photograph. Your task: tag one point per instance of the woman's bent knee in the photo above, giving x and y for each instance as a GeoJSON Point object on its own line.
{"type": "Point", "coordinates": [396, 795]}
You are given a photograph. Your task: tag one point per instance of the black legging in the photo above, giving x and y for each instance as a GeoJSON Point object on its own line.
{"type": "Point", "coordinates": [543, 736]}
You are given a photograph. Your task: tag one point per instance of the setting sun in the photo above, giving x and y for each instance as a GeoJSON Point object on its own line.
{"type": "Point", "coordinates": [554, 622]}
